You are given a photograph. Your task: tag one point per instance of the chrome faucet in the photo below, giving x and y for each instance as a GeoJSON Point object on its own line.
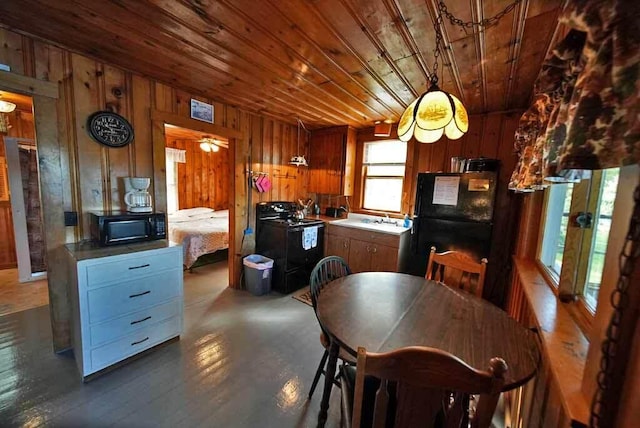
{"type": "Point", "coordinates": [386, 220]}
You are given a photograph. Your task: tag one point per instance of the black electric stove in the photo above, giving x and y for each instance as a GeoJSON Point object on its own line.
{"type": "Point", "coordinates": [295, 245]}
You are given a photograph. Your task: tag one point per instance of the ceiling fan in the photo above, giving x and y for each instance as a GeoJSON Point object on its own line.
{"type": "Point", "coordinates": [210, 144]}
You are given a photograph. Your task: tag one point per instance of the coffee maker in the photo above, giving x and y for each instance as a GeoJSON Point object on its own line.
{"type": "Point", "coordinates": [136, 197]}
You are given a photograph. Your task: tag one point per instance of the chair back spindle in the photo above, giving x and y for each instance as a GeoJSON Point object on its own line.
{"type": "Point", "coordinates": [325, 271]}
{"type": "Point", "coordinates": [457, 270]}
{"type": "Point", "coordinates": [431, 388]}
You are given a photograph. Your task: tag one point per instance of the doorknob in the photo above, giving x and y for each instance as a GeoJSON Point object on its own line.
{"type": "Point", "coordinates": [583, 220]}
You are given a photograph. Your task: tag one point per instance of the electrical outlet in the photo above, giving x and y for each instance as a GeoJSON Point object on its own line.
{"type": "Point", "coordinates": [70, 218]}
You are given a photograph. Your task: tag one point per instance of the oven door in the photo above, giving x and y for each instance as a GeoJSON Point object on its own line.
{"type": "Point", "coordinates": [301, 254]}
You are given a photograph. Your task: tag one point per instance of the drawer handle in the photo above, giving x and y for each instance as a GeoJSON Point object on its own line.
{"type": "Point", "coordinates": [140, 294]}
{"type": "Point", "coordinates": [140, 341]}
{"type": "Point", "coordinates": [142, 320]}
{"type": "Point", "coordinates": [375, 249]}
{"type": "Point", "coordinates": [139, 267]}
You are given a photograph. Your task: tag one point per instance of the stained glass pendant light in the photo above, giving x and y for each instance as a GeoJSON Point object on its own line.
{"type": "Point", "coordinates": [299, 160]}
{"type": "Point", "coordinates": [436, 112]}
{"type": "Point", "coordinates": [433, 114]}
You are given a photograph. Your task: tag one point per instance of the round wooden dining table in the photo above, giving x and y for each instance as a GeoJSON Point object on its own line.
{"type": "Point", "coordinates": [383, 311]}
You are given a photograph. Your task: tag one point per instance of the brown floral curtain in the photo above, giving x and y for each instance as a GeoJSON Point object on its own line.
{"type": "Point", "coordinates": [586, 109]}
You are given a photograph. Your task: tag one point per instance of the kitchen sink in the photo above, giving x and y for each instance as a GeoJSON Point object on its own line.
{"type": "Point", "coordinates": [368, 224]}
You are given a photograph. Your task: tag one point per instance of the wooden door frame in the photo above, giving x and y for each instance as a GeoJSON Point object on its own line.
{"type": "Point", "coordinates": [19, 215]}
{"type": "Point", "coordinates": [45, 99]}
{"type": "Point", "coordinates": [158, 120]}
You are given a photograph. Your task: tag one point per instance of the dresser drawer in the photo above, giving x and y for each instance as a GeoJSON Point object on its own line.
{"type": "Point", "coordinates": [132, 267]}
{"type": "Point", "coordinates": [112, 301]}
{"type": "Point", "coordinates": [144, 338]}
{"type": "Point", "coordinates": [111, 330]}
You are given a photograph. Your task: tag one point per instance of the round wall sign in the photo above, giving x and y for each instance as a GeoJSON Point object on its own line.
{"type": "Point", "coordinates": [110, 129]}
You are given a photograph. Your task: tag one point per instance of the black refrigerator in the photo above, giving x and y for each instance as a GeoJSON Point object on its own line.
{"type": "Point", "coordinates": [453, 211]}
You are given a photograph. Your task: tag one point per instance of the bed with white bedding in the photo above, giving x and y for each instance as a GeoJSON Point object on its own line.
{"type": "Point", "coordinates": [200, 231]}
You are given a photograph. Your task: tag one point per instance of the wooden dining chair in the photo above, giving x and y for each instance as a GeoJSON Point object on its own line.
{"type": "Point", "coordinates": [457, 270]}
{"type": "Point", "coordinates": [325, 271]}
{"type": "Point", "coordinates": [418, 387]}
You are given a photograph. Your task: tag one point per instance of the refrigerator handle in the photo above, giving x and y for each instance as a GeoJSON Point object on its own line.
{"type": "Point", "coordinates": [416, 208]}
{"type": "Point", "coordinates": [414, 236]}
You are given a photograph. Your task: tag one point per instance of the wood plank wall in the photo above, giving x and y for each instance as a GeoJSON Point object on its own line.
{"type": "Point", "coordinates": [490, 135]}
{"type": "Point", "coordinates": [92, 174]}
{"type": "Point", "coordinates": [21, 127]}
{"type": "Point", "coordinates": [202, 180]}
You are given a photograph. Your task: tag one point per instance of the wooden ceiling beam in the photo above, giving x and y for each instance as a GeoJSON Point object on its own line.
{"type": "Point", "coordinates": [366, 113]}
{"type": "Point", "coordinates": [514, 48]}
{"type": "Point", "coordinates": [121, 56]}
{"type": "Point", "coordinates": [401, 24]}
{"type": "Point", "coordinates": [334, 48]}
{"type": "Point", "coordinates": [241, 68]}
{"type": "Point", "coordinates": [382, 51]}
{"type": "Point", "coordinates": [334, 63]}
{"type": "Point", "coordinates": [447, 51]}
{"type": "Point", "coordinates": [477, 15]}
{"type": "Point", "coordinates": [328, 62]}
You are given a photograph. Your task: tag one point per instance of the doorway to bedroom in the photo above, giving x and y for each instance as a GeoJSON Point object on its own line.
{"type": "Point", "coordinates": [197, 180]}
{"type": "Point", "coordinates": [23, 258]}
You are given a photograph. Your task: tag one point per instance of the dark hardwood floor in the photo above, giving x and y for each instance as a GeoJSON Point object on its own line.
{"type": "Point", "coordinates": [243, 361]}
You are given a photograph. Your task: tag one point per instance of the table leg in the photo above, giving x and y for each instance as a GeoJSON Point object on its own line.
{"type": "Point", "coordinates": [329, 375]}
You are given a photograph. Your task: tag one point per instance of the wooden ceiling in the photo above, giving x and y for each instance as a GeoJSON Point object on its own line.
{"type": "Point", "coordinates": [174, 133]}
{"type": "Point", "coordinates": [328, 62]}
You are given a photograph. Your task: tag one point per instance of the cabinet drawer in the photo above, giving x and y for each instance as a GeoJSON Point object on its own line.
{"type": "Point", "coordinates": [142, 339]}
{"type": "Point", "coordinates": [111, 330]}
{"type": "Point", "coordinates": [365, 235]}
{"type": "Point", "coordinates": [115, 300]}
{"type": "Point", "coordinates": [132, 267]}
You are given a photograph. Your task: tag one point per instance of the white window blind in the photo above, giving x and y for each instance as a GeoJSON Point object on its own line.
{"type": "Point", "coordinates": [176, 155]}
{"type": "Point", "coordinates": [173, 158]}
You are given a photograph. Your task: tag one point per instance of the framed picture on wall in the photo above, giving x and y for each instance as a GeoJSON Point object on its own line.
{"type": "Point", "coordinates": [201, 111]}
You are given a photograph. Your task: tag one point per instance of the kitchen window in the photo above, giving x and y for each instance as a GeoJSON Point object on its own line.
{"type": "Point", "coordinates": [575, 234]}
{"type": "Point", "coordinates": [383, 175]}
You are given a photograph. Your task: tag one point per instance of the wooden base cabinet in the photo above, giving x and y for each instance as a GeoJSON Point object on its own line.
{"type": "Point", "coordinates": [125, 300]}
{"type": "Point", "coordinates": [365, 250]}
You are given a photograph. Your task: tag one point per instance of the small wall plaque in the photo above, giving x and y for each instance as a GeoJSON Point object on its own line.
{"type": "Point", "coordinates": [201, 111]}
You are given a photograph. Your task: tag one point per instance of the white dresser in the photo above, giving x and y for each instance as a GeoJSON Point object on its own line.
{"type": "Point", "coordinates": [125, 299]}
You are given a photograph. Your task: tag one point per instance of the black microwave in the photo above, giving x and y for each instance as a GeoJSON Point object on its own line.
{"type": "Point", "coordinates": [121, 227]}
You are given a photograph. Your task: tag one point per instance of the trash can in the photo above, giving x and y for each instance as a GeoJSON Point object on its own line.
{"type": "Point", "coordinates": [257, 274]}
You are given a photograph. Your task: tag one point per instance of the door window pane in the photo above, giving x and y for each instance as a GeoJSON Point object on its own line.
{"type": "Point", "coordinates": [555, 227]}
{"type": "Point", "coordinates": [601, 226]}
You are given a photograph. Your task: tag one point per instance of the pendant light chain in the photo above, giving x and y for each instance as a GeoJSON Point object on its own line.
{"type": "Point", "coordinates": [444, 12]}
{"type": "Point", "coordinates": [488, 22]}
{"type": "Point", "coordinates": [436, 51]}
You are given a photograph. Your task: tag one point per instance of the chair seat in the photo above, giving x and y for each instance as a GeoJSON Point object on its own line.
{"type": "Point", "coordinates": [342, 354]}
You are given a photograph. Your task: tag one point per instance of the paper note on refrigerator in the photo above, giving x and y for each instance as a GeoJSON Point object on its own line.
{"type": "Point", "coordinates": [445, 191]}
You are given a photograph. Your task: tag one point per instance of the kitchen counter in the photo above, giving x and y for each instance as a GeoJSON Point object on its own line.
{"type": "Point", "coordinates": [369, 222]}
{"type": "Point", "coordinates": [86, 250]}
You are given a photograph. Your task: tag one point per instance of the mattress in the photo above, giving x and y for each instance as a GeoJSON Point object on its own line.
{"type": "Point", "coordinates": [200, 231]}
